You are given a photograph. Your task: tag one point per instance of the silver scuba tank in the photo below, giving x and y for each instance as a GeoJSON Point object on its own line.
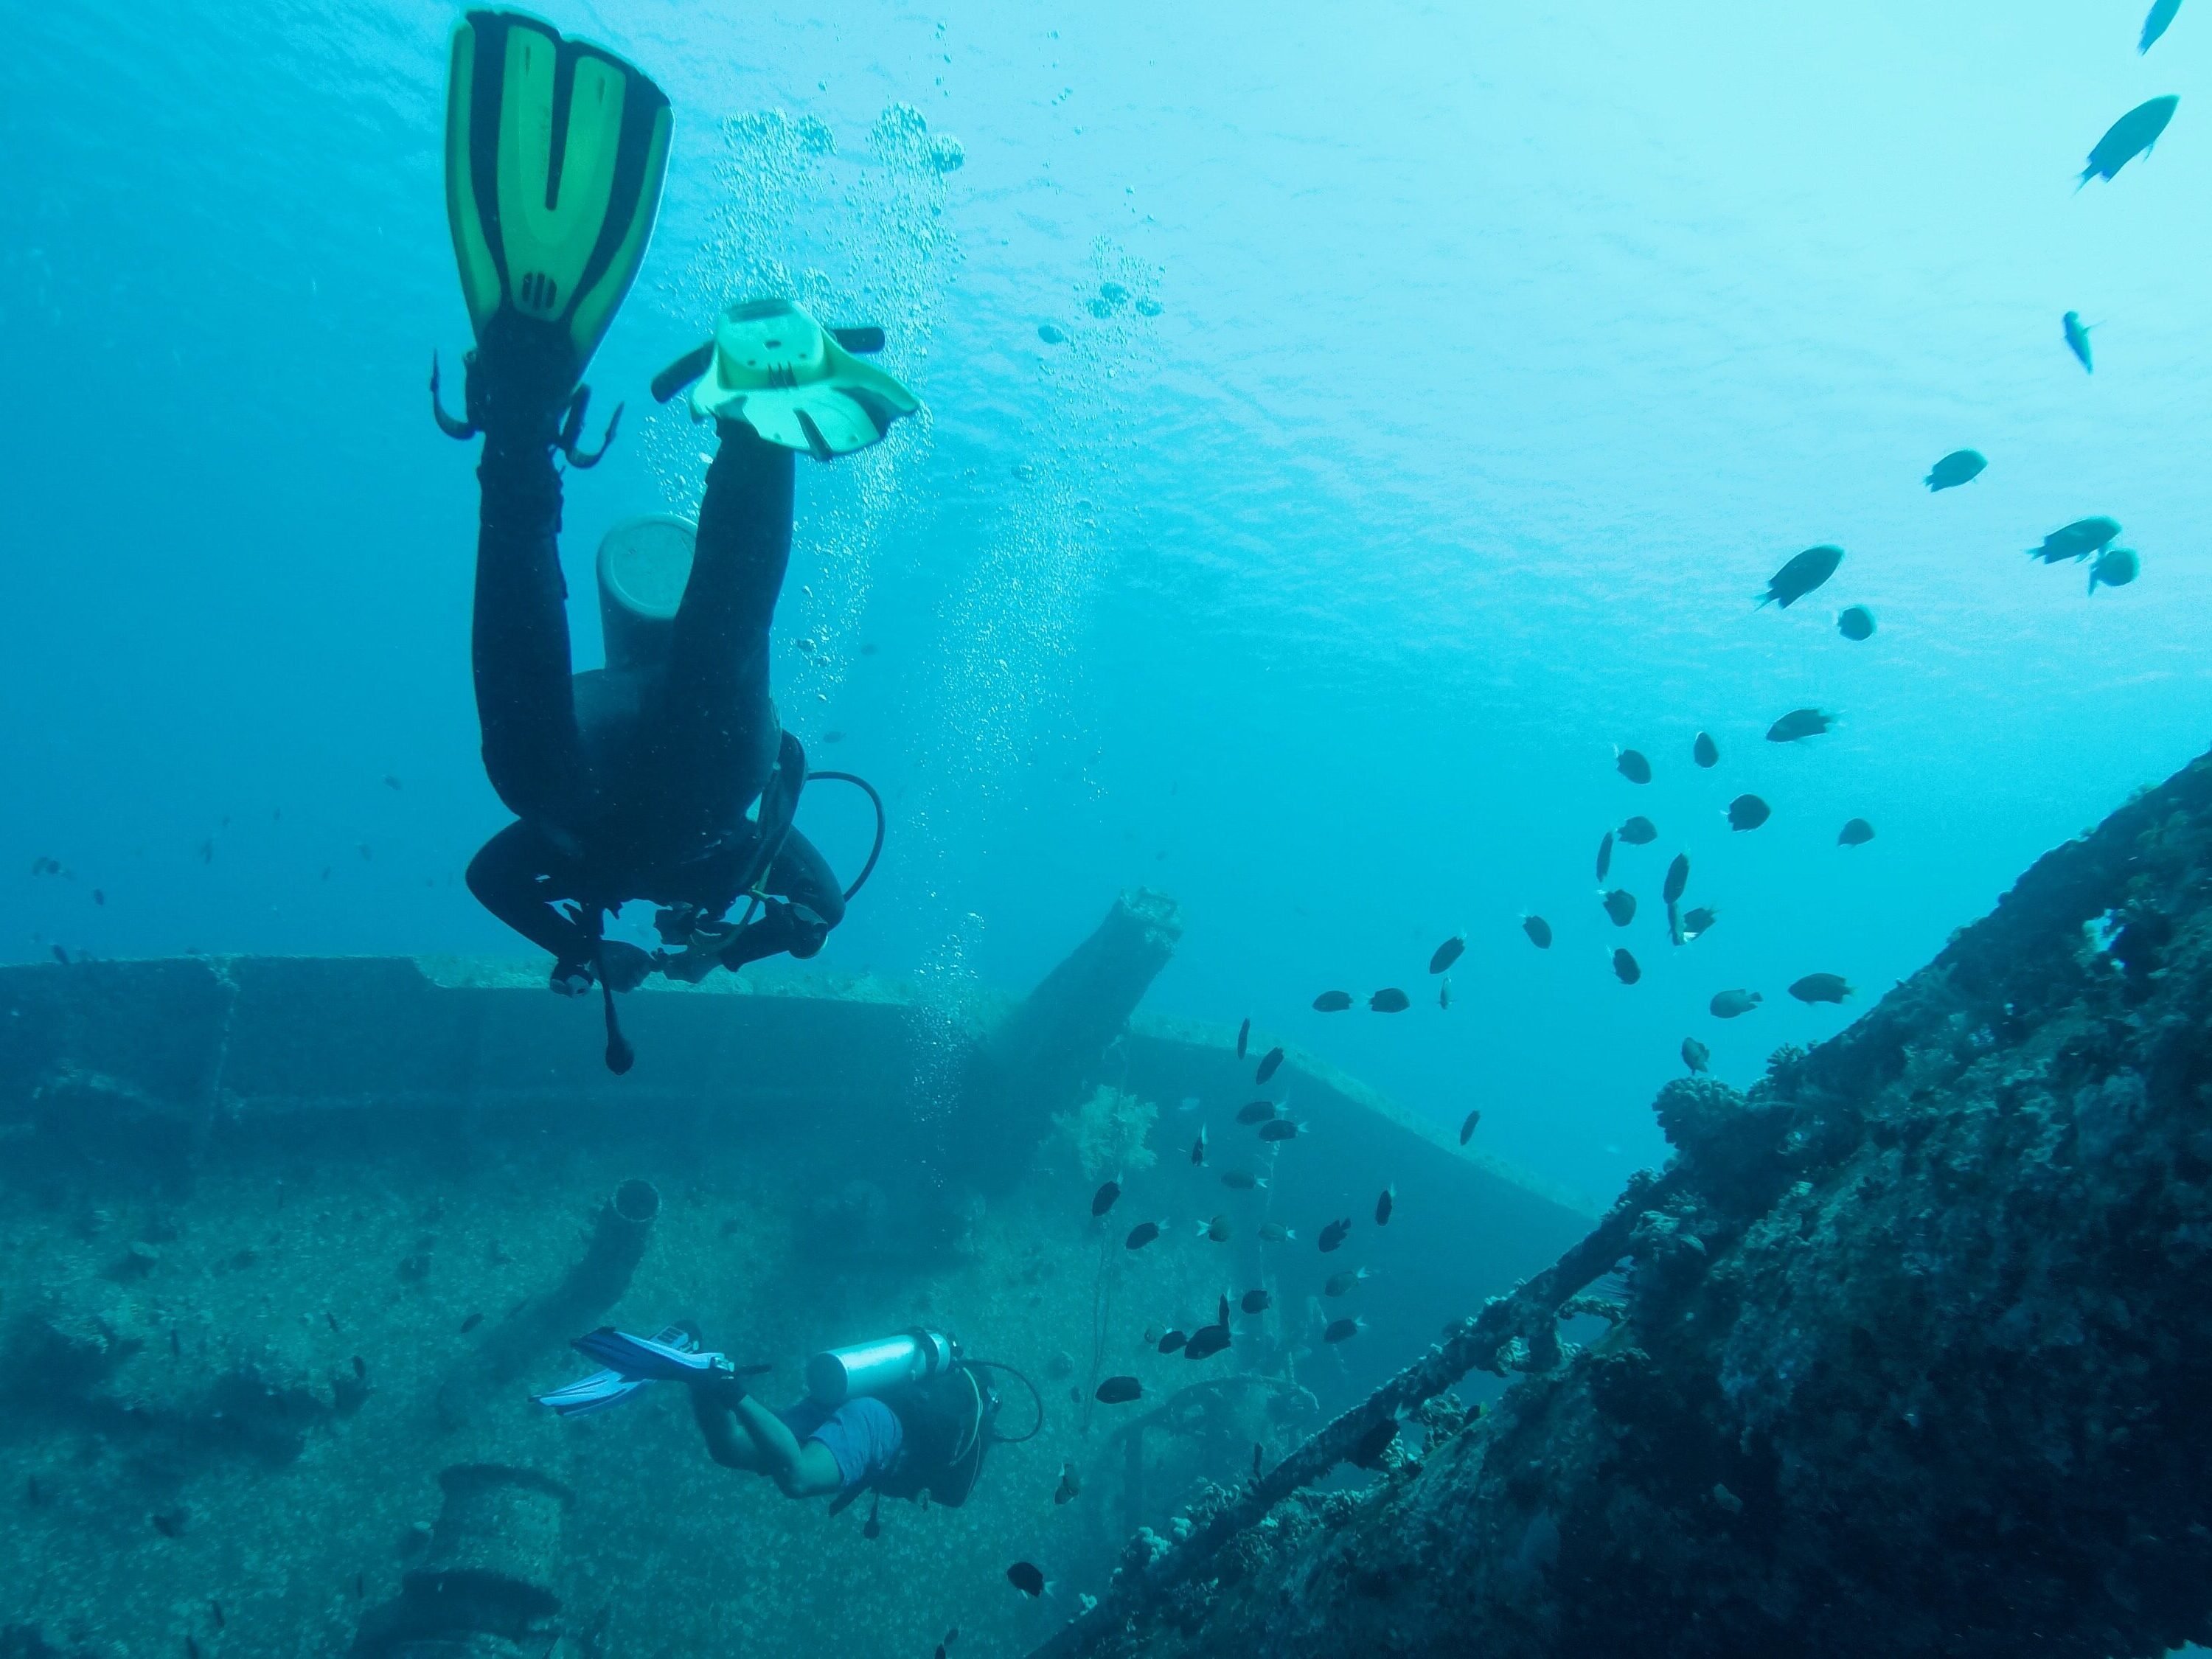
{"type": "Point", "coordinates": [878, 1367]}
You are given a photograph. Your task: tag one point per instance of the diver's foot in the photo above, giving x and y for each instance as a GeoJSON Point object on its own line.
{"type": "Point", "coordinates": [570, 978]}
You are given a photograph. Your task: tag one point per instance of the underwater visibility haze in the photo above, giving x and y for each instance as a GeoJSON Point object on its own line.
{"type": "Point", "coordinates": [1515, 555]}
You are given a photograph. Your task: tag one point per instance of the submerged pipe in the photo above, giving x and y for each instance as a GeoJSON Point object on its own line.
{"type": "Point", "coordinates": [486, 1588]}
{"type": "Point", "coordinates": [599, 1279]}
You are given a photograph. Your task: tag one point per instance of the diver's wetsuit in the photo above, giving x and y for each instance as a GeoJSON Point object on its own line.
{"type": "Point", "coordinates": [633, 784]}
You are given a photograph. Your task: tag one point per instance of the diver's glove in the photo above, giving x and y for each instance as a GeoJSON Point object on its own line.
{"type": "Point", "coordinates": [571, 979]}
{"type": "Point", "coordinates": [624, 966]}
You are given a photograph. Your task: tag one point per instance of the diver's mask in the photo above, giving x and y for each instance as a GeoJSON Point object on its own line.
{"type": "Point", "coordinates": [644, 565]}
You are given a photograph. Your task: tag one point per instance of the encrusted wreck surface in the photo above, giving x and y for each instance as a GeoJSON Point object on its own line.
{"type": "Point", "coordinates": [1916, 1356]}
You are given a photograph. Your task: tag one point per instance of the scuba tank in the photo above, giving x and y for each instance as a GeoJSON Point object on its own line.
{"type": "Point", "coordinates": [879, 1367]}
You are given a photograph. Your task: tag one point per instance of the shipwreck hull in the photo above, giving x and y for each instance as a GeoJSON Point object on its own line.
{"type": "Point", "coordinates": [1916, 1355]}
{"type": "Point", "coordinates": [286, 1243]}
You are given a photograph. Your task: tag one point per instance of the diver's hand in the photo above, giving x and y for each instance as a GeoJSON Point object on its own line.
{"type": "Point", "coordinates": [624, 966]}
{"type": "Point", "coordinates": [692, 966]}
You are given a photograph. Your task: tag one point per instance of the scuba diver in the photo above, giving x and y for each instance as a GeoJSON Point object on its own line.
{"type": "Point", "coordinates": [634, 781]}
{"type": "Point", "coordinates": [905, 1416]}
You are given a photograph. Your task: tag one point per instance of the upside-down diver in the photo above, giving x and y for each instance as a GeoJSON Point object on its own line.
{"type": "Point", "coordinates": [634, 780]}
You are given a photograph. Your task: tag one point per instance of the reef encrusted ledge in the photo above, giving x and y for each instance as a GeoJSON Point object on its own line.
{"type": "Point", "coordinates": [1914, 1360]}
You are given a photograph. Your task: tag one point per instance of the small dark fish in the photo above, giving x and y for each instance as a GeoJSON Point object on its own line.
{"type": "Point", "coordinates": [1696, 1055]}
{"type": "Point", "coordinates": [1105, 1197]}
{"type": "Point", "coordinates": [1334, 1234]}
{"type": "Point", "coordinates": [1244, 1180]}
{"type": "Point", "coordinates": [2134, 134]}
{"type": "Point", "coordinates": [1705, 751]}
{"type": "Point", "coordinates": [1343, 1330]}
{"type": "Point", "coordinates": [1142, 1234]}
{"type": "Point", "coordinates": [1258, 1111]}
{"type": "Point", "coordinates": [1345, 1284]}
{"type": "Point", "coordinates": [61, 955]}
{"type": "Point", "coordinates": [2077, 340]}
{"type": "Point", "coordinates": [1639, 832]}
{"type": "Point", "coordinates": [170, 1523]}
{"type": "Point", "coordinates": [1050, 335]}
{"type": "Point", "coordinates": [1802, 576]}
{"type": "Point", "coordinates": [2159, 20]}
{"type": "Point", "coordinates": [1696, 922]}
{"type": "Point", "coordinates": [1390, 1000]}
{"type": "Point", "coordinates": [1270, 1063]}
{"type": "Point", "coordinates": [1857, 832]}
{"type": "Point", "coordinates": [1727, 1004]}
{"type": "Point", "coordinates": [100, 897]}
{"type": "Point", "coordinates": [360, 1368]}
{"type": "Point", "coordinates": [1120, 1391]}
{"type": "Point", "coordinates": [390, 782]}
{"type": "Point", "coordinates": [176, 1344]}
{"type": "Point", "coordinates": [1331, 1002]}
{"type": "Point", "coordinates": [2116, 566]}
{"type": "Point", "coordinates": [1255, 1301]}
{"type": "Point", "coordinates": [1605, 855]}
{"type": "Point", "coordinates": [2077, 540]}
{"type": "Point", "coordinates": [1243, 1036]}
{"type": "Point", "coordinates": [1172, 1341]}
{"type": "Point", "coordinates": [1624, 968]}
{"type": "Point", "coordinates": [1069, 1484]}
{"type": "Point", "coordinates": [214, 1613]}
{"type": "Point", "coordinates": [1620, 905]}
{"type": "Point", "coordinates": [1279, 1128]}
{"type": "Point", "coordinates": [1748, 812]}
{"type": "Point", "coordinates": [470, 1324]}
{"type": "Point", "coordinates": [332, 1319]}
{"type": "Point", "coordinates": [1367, 1451]}
{"type": "Point", "coordinates": [1674, 935]}
{"type": "Point", "coordinates": [1024, 1576]}
{"type": "Point", "coordinates": [1960, 466]}
{"type": "Point", "coordinates": [1206, 1342]}
{"type": "Point", "coordinates": [833, 736]}
{"type": "Point", "coordinates": [1632, 766]}
{"type": "Point", "coordinates": [191, 1646]}
{"type": "Point", "coordinates": [1539, 931]}
{"type": "Point", "coordinates": [1678, 878]}
{"type": "Point", "coordinates": [1855, 623]}
{"type": "Point", "coordinates": [873, 1527]}
{"type": "Point", "coordinates": [1385, 1205]}
{"type": "Point", "coordinates": [207, 850]}
{"type": "Point", "coordinates": [1466, 1127]}
{"type": "Point", "coordinates": [1446, 954]}
{"type": "Point", "coordinates": [1217, 1230]}
{"type": "Point", "coordinates": [1274, 1232]}
{"type": "Point", "coordinates": [1798, 725]}
{"type": "Point", "coordinates": [1820, 987]}
{"type": "Point", "coordinates": [1198, 1146]}
{"type": "Point", "coordinates": [1443, 993]}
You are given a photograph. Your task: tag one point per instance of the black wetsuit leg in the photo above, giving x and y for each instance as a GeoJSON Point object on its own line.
{"type": "Point", "coordinates": [526, 701]}
{"type": "Point", "coordinates": [715, 731]}
{"type": "Point", "coordinates": [516, 875]}
{"type": "Point", "coordinates": [525, 698]}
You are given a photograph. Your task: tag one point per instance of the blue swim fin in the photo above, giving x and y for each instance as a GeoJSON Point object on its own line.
{"type": "Point", "coordinates": [604, 1389]}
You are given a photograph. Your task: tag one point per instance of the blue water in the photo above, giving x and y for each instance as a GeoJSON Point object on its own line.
{"type": "Point", "coordinates": [1501, 354]}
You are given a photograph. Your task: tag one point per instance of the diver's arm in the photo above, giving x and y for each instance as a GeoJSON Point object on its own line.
{"type": "Point", "coordinates": [741, 1433]}
{"type": "Point", "coordinates": [801, 875]}
{"type": "Point", "coordinates": [508, 876]}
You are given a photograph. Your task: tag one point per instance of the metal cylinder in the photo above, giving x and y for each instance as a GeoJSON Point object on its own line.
{"type": "Point", "coordinates": [643, 566]}
{"type": "Point", "coordinates": [877, 1367]}
{"type": "Point", "coordinates": [494, 1551]}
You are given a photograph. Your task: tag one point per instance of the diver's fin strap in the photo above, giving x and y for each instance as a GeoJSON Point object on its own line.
{"type": "Point", "coordinates": [681, 372]}
{"type": "Point", "coordinates": [572, 431]}
{"type": "Point", "coordinates": [447, 424]}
